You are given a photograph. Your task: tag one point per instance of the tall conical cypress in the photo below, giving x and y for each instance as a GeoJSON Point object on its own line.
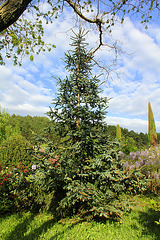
{"type": "Point", "coordinates": [118, 132]}
{"type": "Point", "coordinates": [152, 135]}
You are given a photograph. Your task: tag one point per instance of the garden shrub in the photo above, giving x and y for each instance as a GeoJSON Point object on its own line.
{"type": "Point", "coordinates": [148, 162]}
{"type": "Point", "coordinates": [22, 188]}
{"type": "Point", "coordinates": [128, 145]}
{"type": "Point", "coordinates": [6, 200]}
{"type": "Point", "coordinates": [15, 150]}
{"type": "Point", "coordinates": [29, 191]}
{"type": "Point", "coordinates": [156, 206]}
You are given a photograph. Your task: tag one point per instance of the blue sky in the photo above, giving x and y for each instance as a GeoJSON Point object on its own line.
{"type": "Point", "coordinates": [29, 89]}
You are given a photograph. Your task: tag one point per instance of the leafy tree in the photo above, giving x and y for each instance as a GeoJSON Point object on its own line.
{"type": "Point", "coordinates": [152, 135]}
{"type": "Point", "coordinates": [11, 11]}
{"type": "Point", "coordinates": [143, 139]}
{"type": "Point", "coordinates": [25, 36]}
{"type": "Point", "coordinates": [89, 177]}
{"type": "Point", "coordinates": [4, 120]}
{"type": "Point", "coordinates": [6, 129]}
{"type": "Point", "coordinates": [34, 126]}
{"type": "Point", "coordinates": [132, 141]}
{"type": "Point", "coordinates": [129, 145]}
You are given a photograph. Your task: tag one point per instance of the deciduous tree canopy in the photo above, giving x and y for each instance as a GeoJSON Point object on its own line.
{"type": "Point", "coordinates": [11, 10]}
{"type": "Point", "coordinates": [27, 34]}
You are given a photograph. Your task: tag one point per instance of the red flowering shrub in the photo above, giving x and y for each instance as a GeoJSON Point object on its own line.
{"type": "Point", "coordinates": [3, 175]}
{"type": "Point", "coordinates": [5, 187]}
{"type": "Point", "coordinates": [12, 180]}
{"type": "Point", "coordinates": [26, 188]}
{"type": "Point", "coordinates": [54, 161]}
{"type": "Point", "coordinates": [5, 178]}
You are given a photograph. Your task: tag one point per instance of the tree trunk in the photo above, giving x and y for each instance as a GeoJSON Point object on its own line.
{"type": "Point", "coordinates": [10, 11]}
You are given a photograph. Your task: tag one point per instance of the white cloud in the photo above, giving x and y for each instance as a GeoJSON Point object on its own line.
{"type": "Point", "coordinates": [20, 96]}
{"type": "Point", "coordinates": [141, 80]}
{"type": "Point", "coordinates": [29, 89]}
{"type": "Point", "coordinates": [138, 125]}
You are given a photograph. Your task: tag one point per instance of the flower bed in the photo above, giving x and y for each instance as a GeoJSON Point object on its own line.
{"type": "Point", "coordinates": [148, 161]}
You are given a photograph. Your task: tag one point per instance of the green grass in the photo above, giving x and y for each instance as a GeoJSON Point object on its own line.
{"type": "Point", "coordinates": [137, 225]}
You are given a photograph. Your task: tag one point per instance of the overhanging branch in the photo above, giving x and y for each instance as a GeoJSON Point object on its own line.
{"type": "Point", "coordinates": [10, 11]}
{"type": "Point", "coordinates": [96, 21]}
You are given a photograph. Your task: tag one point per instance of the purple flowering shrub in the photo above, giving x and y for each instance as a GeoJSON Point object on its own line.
{"type": "Point", "coordinates": [148, 161]}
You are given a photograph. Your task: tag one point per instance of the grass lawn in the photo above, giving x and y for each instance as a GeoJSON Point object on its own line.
{"type": "Point", "coordinates": [137, 225]}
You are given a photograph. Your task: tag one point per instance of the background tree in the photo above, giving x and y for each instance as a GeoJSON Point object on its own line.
{"type": "Point", "coordinates": [15, 150]}
{"type": "Point", "coordinates": [6, 128]}
{"type": "Point", "coordinates": [27, 126]}
{"type": "Point", "coordinates": [132, 141]}
{"type": "Point", "coordinates": [152, 135]}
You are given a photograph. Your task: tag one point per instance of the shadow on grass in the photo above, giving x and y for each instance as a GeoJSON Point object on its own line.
{"type": "Point", "coordinates": [19, 231]}
{"type": "Point", "coordinates": [22, 228]}
{"type": "Point", "coordinates": [60, 233]}
{"type": "Point", "coordinates": [147, 220]}
{"type": "Point", "coordinates": [36, 233]}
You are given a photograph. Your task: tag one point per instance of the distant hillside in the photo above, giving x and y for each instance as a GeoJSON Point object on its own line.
{"type": "Point", "coordinates": [43, 126]}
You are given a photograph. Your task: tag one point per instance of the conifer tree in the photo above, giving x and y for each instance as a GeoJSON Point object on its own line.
{"type": "Point", "coordinates": [79, 111]}
{"type": "Point", "coordinates": [152, 135]}
{"type": "Point", "coordinates": [89, 176]}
